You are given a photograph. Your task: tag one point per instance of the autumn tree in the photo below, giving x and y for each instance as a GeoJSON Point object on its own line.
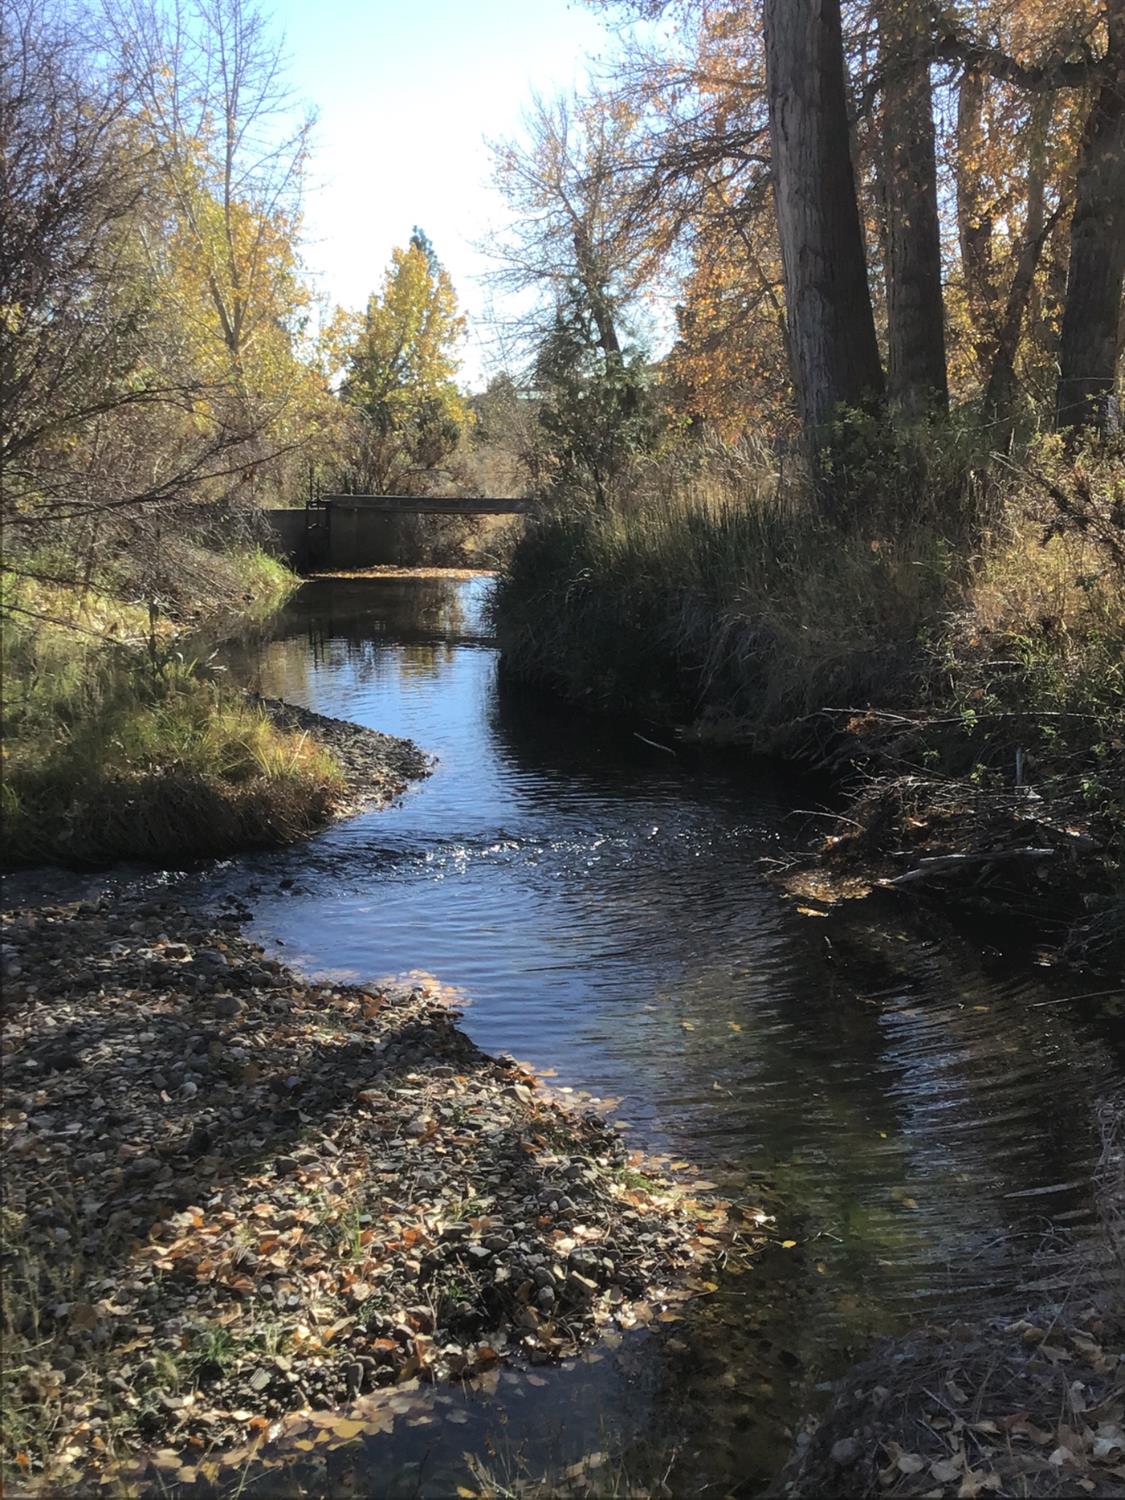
{"type": "Point", "coordinates": [1023, 86]}
{"type": "Point", "coordinates": [580, 250]}
{"type": "Point", "coordinates": [916, 367]}
{"type": "Point", "coordinates": [948, 191]}
{"type": "Point", "coordinates": [216, 120]}
{"type": "Point", "coordinates": [67, 192]}
{"type": "Point", "coordinates": [701, 173]}
{"type": "Point", "coordinates": [400, 368]}
{"type": "Point", "coordinates": [577, 227]}
{"type": "Point", "coordinates": [109, 444]}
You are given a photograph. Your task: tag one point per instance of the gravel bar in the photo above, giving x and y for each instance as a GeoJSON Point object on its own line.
{"type": "Point", "coordinates": [232, 1195]}
{"type": "Point", "coordinates": [377, 767]}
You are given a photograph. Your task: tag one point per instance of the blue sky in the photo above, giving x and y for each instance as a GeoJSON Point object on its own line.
{"type": "Point", "coordinates": [406, 90]}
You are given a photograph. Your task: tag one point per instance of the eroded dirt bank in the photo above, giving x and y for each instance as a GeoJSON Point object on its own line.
{"type": "Point", "coordinates": [1031, 1408]}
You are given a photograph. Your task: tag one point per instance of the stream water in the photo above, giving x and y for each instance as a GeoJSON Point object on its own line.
{"type": "Point", "coordinates": [924, 1111]}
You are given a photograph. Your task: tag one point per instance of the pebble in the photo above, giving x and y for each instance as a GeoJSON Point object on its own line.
{"type": "Point", "coordinates": [285, 1176]}
{"type": "Point", "coordinates": [846, 1452]}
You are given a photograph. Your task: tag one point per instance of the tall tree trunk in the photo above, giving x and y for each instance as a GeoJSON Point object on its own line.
{"type": "Point", "coordinates": [974, 220]}
{"type": "Point", "coordinates": [593, 283]}
{"type": "Point", "coordinates": [916, 370]}
{"type": "Point", "coordinates": [1091, 325]}
{"type": "Point", "coordinates": [1001, 389]}
{"type": "Point", "coordinates": [828, 302]}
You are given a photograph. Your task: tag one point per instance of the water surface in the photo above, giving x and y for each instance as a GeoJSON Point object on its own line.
{"type": "Point", "coordinates": [926, 1114]}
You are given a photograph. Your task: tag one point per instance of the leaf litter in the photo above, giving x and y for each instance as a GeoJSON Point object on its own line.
{"type": "Point", "coordinates": [246, 1213]}
{"type": "Point", "coordinates": [966, 1412]}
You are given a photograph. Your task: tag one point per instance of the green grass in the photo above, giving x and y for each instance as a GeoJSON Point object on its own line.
{"type": "Point", "coordinates": [265, 583]}
{"type": "Point", "coordinates": [115, 747]}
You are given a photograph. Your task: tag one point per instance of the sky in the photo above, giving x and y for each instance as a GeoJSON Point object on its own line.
{"type": "Point", "coordinates": [406, 91]}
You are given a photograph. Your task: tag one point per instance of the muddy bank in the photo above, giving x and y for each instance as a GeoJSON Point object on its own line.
{"type": "Point", "coordinates": [1036, 854]}
{"type": "Point", "coordinates": [234, 1197]}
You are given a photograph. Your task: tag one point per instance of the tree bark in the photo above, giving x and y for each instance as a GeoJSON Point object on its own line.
{"type": "Point", "coordinates": [1001, 389]}
{"type": "Point", "coordinates": [1090, 344]}
{"type": "Point", "coordinates": [916, 367]}
{"type": "Point", "coordinates": [828, 302]}
{"type": "Point", "coordinates": [974, 221]}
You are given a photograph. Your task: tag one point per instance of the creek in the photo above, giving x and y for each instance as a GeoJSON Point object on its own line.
{"type": "Point", "coordinates": [920, 1113]}
{"type": "Point", "coordinates": [925, 1113]}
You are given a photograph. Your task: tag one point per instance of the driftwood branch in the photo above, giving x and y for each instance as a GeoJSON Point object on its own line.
{"type": "Point", "coordinates": [950, 864]}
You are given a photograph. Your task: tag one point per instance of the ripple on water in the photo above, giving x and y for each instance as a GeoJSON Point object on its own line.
{"type": "Point", "coordinates": [929, 1123]}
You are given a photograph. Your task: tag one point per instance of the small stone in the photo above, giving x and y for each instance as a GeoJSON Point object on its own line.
{"type": "Point", "coordinates": [845, 1452]}
{"type": "Point", "coordinates": [228, 1006]}
{"type": "Point", "coordinates": [260, 1379]}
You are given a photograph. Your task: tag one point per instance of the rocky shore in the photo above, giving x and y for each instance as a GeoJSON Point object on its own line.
{"type": "Point", "coordinates": [375, 766]}
{"type": "Point", "coordinates": [232, 1196]}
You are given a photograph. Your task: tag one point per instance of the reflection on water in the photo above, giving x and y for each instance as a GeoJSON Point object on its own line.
{"type": "Point", "coordinates": [606, 905]}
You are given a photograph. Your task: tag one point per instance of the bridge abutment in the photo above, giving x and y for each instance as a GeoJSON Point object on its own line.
{"type": "Point", "coordinates": [344, 532]}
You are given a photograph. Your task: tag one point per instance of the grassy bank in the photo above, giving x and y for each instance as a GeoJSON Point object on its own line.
{"type": "Point", "coordinates": [958, 641]}
{"type": "Point", "coordinates": [116, 746]}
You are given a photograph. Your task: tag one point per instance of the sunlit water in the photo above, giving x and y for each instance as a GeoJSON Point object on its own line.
{"type": "Point", "coordinates": [925, 1114]}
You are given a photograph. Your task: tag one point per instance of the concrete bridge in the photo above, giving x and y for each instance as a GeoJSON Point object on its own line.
{"type": "Point", "coordinates": [334, 533]}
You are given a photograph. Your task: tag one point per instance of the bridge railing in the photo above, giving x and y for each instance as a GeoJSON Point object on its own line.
{"type": "Point", "coordinates": [429, 505]}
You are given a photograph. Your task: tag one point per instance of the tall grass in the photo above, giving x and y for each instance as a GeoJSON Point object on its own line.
{"type": "Point", "coordinates": [730, 597]}
{"type": "Point", "coordinates": [956, 642]}
{"type": "Point", "coordinates": [755, 611]}
{"type": "Point", "coordinates": [115, 747]}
